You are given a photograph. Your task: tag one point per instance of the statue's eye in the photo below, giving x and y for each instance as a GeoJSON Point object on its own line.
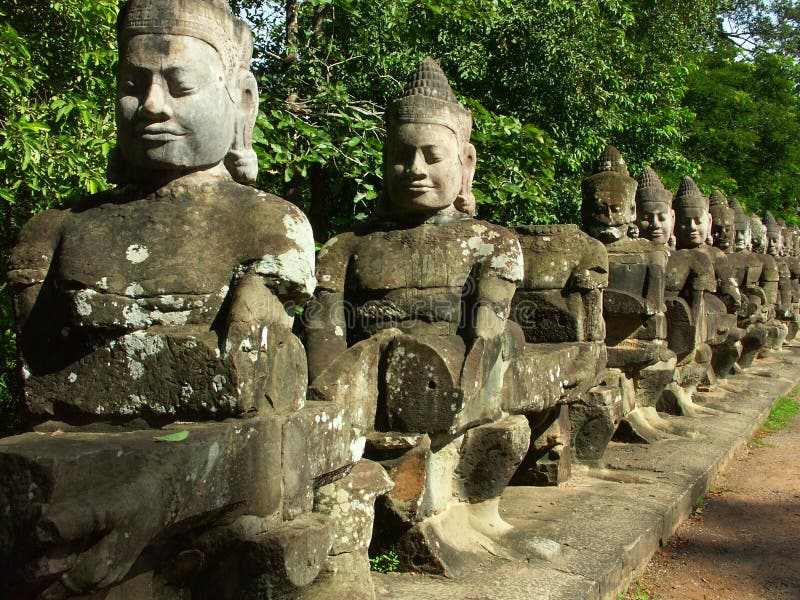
{"type": "Point", "coordinates": [131, 80]}
{"type": "Point", "coordinates": [433, 154]}
{"type": "Point", "coordinates": [183, 82]}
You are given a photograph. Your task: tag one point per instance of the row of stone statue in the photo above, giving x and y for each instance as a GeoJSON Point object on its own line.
{"type": "Point", "coordinates": [194, 437]}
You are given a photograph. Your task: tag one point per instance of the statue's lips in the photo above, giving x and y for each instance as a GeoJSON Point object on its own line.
{"type": "Point", "coordinates": [421, 189]}
{"type": "Point", "coordinates": [160, 134]}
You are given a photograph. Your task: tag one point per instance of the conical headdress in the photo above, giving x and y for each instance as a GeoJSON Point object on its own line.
{"type": "Point", "coordinates": [757, 227]}
{"type": "Point", "coordinates": [771, 223]}
{"type": "Point", "coordinates": [740, 219]}
{"type": "Point", "coordinates": [208, 20]}
{"type": "Point", "coordinates": [717, 199]}
{"type": "Point", "coordinates": [651, 189]}
{"type": "Point", "coordinates": [611, 160]}
{"type": "Point", "coordinates": [689, 196]}
{"type": "Point", "coordinates": [428, 98]}
{"type": "Point", "coordinates": [718, 207]}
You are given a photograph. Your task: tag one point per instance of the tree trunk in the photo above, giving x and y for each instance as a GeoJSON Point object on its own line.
{"type": "Point", "coordinates": [316, 209]}
{"type": "Point", "coordinates": [291, 34]}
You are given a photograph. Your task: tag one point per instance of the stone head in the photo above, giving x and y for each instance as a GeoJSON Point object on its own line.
{"type": "Point", "coordinates": [786, 237]}
{"type": "Point", "coordinates": [741, 227]}
{"type": "Point", "coordinates": [774, 235]}
{"type": "Point", "coordinates": [428, 161]}
{"type": "Point", "coordinates": [795, 241]}
{"type": "Point", "coordinates": [759, 235]}
{"type": "Point", "coordinates": [722, 226]}
{"type": "Point", "coordinates": [789, 241]}
{"type": "Point", "coordinates": [608, 204]}
{"type": "Point", "coordinates": [654, 215]}
{"type": "Point", "coordinates": [186, 99]}
{"type": "Point", "coordinates": [692, 217]}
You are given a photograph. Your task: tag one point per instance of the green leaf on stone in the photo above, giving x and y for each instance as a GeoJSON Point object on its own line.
{"type": "Point", "coordinates": [178, 436]}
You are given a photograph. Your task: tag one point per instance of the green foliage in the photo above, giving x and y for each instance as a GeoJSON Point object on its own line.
{"type": "Point", "coordinates": [550, 83]}
{"type": "Point", "coordinates": [746, 126]}
{"type": "Point", "coordinates": [56, 104]}
{"type": "Point", "coordinates": [764, 25]}
{"type": "Point", "coordinates": [781, 414]}
{"type": "Point", "coordinates": [9, 398]}
{"type": "Point", "coordinates": [56, 123]}
{"type": "Point", "coordinates": [388, 562]}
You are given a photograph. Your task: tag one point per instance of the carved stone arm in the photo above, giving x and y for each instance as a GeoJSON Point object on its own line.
{"type": "Point", "coordinates": [325, 330]}
{"type": "Point", "coordinates": [258, 337]}
{"type": "Point", "coordinates": [30, 260]}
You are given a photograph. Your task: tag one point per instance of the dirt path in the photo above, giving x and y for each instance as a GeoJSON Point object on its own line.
{"type": "Point", "coordinates": [743, 542]}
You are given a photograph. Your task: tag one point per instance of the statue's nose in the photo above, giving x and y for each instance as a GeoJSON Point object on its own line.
{"type": "Point", "coordinates": [155, 102]}
{"type": "Point", "coordinates": [418, 167]}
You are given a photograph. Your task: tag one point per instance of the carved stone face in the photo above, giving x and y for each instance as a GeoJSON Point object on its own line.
{"type": "Point", "coordinates": [774, 243]}
{"type": "Point", "coordinates": [424, 168]}
{"type": "Point", "coordinates": [743, 239]}
{"type": "Point", "coordinates": [759, 240]}
{"type": "Point", "coordinates": [692, 225]}
{"type": "Point", "coordinates": [173, 109]}
{"type": "Point", "coordinates": [609, 207]}
{"type": "Point", "coordinates": [656, 221]}
{"type": "Point", "coordinates": [722, 230]}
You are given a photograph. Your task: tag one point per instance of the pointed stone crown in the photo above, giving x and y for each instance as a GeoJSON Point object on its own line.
{"type": "Point", "coordinates": [717, 199]}
{"type": "Point", "coordinates": [611, 182]}
{"type": "Point", "coordinates": [757, 227]}
{"type": "Point", "coordinates": [689, 196]}
{"type": "Point", "coordinates": [740, 220]}
{"type": "Point", "coordinates": [610, 160]}
{"type": "Point", "coordinates": [208, 20]}
{"type": "Point", "coordinates": [718, 207]}
{"type": "Point", "coordinates": [651, 190]}
{"type": "Point", "coordinates": [428, 98]}
{"type": "Point", "coordinates": [771, 223]}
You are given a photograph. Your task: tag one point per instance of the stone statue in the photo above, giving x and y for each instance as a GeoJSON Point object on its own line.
{"type": "Point", "coordinates": [758, 235]}
{"type": "Point", "coordinates": [722, 226]}
{"type": "Point", "coordinates": [633, 303]}
{"type": "Point", "coordinates": [775, 248]}
{"type": "Point", "coordinates": [743, 235]}
{"type": "Point", "coordinates": [171, 298]}
{"type": "Point", "coordinates": [559, 307]}
{"type": "Point", "coordinates": [654, 214]}
{"type": "Point", "coordinates": [748, 270]}
{"type": "Point", "coordinates": [115, 323]}
{"type": "Point", "coordinates": [410, 319]}
{"type": "Point", "coordinates": [768, 276]}
{"type": "Point", "coordinates": [724, 335]}
{"type": "Point", "coordinates": [688, 288]}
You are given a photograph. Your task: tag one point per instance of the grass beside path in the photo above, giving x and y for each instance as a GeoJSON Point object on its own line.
{"type": "Point", "coordinates": [780, 417]}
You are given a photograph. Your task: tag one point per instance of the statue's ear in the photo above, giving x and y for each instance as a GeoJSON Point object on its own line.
{"type": "Point", "coordinates": [241, 160]}
{"type": "Point", "coordinates": [465, 201]}
{"type": "Point", "coordinates": [672, 231]}
{"type": "Point", "coordinates": [710, 237]}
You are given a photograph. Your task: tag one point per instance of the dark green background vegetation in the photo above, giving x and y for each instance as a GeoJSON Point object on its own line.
{"type": "Point", "coordinates": [708, 88]}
